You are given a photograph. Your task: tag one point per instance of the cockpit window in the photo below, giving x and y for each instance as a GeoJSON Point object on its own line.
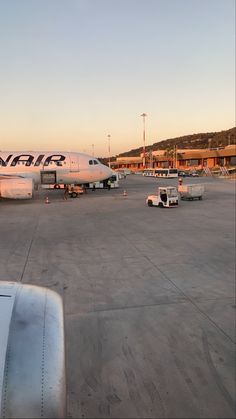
{"type": "Point", "coordinates": [93, 162]}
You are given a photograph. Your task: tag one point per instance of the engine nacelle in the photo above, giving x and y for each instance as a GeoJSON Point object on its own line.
{"type": "Point", "coordinates": [16, 188]}
{"type": "Point", "coordinates": [32, 352]}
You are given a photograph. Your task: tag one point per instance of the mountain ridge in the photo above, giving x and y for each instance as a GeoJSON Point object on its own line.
{"type": "Point", "coordinates": [192, 141]}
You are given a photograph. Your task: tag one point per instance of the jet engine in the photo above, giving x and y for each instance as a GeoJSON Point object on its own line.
{"type": "Point", "coordinates": [16, 188]}
{"type": "Point", "coordinates": [32, 354]}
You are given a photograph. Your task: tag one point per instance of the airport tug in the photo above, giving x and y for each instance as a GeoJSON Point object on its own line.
{"type": "Point", "coordinates": [166, 197]}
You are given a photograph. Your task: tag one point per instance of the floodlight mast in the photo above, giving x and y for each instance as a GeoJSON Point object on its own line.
{"type": "Point", "coordinates": [109, 149]}
{"type": "Point", "coordinates": [144, 140]}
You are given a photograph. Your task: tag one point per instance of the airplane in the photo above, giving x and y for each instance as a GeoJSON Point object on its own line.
{"type": "Point", "coordinates": [22, 172]}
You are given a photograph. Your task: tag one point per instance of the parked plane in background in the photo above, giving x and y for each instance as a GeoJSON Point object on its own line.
{"type": "Point", "coordinates": [22, 172]}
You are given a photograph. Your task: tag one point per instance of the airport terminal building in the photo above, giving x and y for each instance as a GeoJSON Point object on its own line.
{"type": "Point", "coordinates": [184, 159]}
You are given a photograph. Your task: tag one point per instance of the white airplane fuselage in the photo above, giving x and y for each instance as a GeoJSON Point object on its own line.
{"type": "Point", "coordinates": [46, 168]}
{"type": "Point", "coordinates": [67, 167]}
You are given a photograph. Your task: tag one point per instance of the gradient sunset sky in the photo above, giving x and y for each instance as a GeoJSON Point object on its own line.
{"type": "Point", "coordinates": [74, 71]}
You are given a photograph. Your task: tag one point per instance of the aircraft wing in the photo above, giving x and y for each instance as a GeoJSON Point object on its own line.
{"type": "Point", "coordinates": [4, 177]}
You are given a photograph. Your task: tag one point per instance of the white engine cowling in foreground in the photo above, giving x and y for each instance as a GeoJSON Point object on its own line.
{"type": "Point", "coordinates": [16, 188]}
{"type": "Point", "coordinates": [32, 352]}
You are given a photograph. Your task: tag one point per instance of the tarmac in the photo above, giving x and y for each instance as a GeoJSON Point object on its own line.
{"type": "Point", "coordinates": [149, 295]}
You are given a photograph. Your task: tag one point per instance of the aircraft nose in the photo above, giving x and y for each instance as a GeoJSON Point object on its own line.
{"type": "Point", "coordinates": [107, 171]}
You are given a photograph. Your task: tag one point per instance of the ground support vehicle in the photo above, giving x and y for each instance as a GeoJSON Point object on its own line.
{"type": "Point", "coordinates": [124, 171]}
{"type": "Point", "coordinates": [75, 191]}
{"type": "Point", "coordinates": [191, 192]}
{"type": "Point", "coordinates": [194, 173]}
{"type": "Point", "coordinates": [166, 197]}
{"type": "Point", "coordinates": [168, 172]}
{"type": "Point", "coordinates": [182, 173]}
{"type": "Point", "coordinates": [114, 182]}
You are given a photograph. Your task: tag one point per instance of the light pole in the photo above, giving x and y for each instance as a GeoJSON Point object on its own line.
{"type": "Point", "coordinates": [176, 156]}
{"type": "Point", "coordinates": [109, 149]}
{"type": "Point", "coordinates": [144, 139]}
{"type": "Point", "coordinates": [151, 158]}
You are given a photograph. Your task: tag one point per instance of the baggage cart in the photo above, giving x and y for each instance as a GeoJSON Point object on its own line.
{"type": "Point", "coordinates": [191, 192]}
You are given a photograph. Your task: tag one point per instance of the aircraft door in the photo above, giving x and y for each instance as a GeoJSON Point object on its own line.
{"type": "Point", "coordinates": [48, 177]}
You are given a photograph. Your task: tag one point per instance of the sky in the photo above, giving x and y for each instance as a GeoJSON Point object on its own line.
{"type": "Point", "coordinates": [73, 72]}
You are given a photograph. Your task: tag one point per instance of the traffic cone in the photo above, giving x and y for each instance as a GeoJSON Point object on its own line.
{"type": "Point", "coordinates": [125, 193]}
{"type": "Point", "coordinates": [47, 200]}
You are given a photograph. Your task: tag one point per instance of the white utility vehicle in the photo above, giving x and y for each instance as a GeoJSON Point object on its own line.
{"type": "Point", "coordinates": [166, 197]}
{"type": "Point", "coordinates": [191, 192]}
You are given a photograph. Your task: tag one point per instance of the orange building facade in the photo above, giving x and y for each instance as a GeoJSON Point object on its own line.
{"type": "Point", "coordinates": [200, 160]}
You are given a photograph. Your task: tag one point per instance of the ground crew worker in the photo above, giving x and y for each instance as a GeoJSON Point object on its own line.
{"type": "Point", "coordinates": [108, 184]}
{"type": "Point", "coordinates": [66, 193]}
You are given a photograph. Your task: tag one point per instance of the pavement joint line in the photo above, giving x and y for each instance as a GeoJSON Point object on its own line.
{"type": "Point", "coordinates": [30, 247]}
{"type": "Point", "coordinates": [134, 307]}
{"type": "Point", "coordinates": [183, 301]}
{"type": "Point", "coordinates": [194, 304]}
{"type": "Point", "coordinates": [203, 299]}
{"type": "Point", "coordinates": [219, 382]}
{"type": "Point", "coordinates": [185, 295]}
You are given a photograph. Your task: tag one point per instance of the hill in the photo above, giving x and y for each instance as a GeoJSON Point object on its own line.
{"type": "Point", "coordinates": [202, 140]}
